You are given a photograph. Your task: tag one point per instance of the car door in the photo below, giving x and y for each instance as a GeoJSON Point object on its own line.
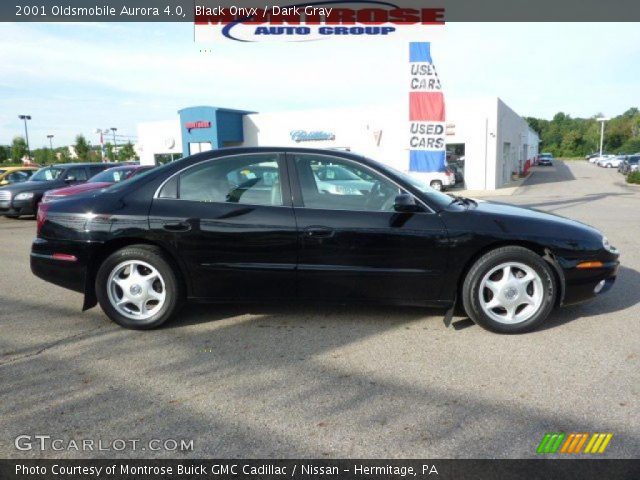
{"type": "Point", "coordinates": [231, 221]}
{"type": "Point", "coordinates": [354, 245]}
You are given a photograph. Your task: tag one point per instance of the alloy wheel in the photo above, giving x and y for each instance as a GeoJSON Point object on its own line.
{"type": "Point", "coordinates": [511, 293]}
{"type": "Point", "coordinates": [136, 289]}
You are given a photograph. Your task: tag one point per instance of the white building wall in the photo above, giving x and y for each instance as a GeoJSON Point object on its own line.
{"type": "Point", "coordinates": [158, 138]}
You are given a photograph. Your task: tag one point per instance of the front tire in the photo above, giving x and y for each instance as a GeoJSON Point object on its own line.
{"type": "Point", "coordinates": [509, 290]}
{"type": "Point", "coordinates": [138, 288]}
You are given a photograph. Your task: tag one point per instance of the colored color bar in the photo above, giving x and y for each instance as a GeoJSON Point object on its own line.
{"type": "Point", "coordinates": [543, 443]}
{"type": "Point", "coordinates": [591, 442]}
{"type": "Point", "coordinates": [605, 443]}
{"type": "Point", "coordinates": [557, 443]}
{"type": "Point", "coordinates": [567, 443]}
{"type": "Point", "coordinates": [582, 440]}
{"type": "Point", "coordinates": [596, 445]}
{"type": "Point", "coordinates": [426, 107]}
{"type": "Point", "coordinates": [420, 52]}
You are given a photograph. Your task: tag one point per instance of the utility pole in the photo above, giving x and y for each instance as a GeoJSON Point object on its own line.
{"type": "Point", "coordinates": [601, 120]}
{"type": "Point", "coordinates": [50, 137]}
{"type": "Point", "coordinates": [115, 144]}
{"type": "Point", "coordinates": [26, 132]}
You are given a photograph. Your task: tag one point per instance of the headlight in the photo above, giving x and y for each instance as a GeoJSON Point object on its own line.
{"type": "Point", "coordinates": [607, 246]}
{"type": "Point", "coordinates": [24, 196]}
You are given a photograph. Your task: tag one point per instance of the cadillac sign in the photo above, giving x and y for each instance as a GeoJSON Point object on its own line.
{"type": "Point", "coordinates": [317, 136]}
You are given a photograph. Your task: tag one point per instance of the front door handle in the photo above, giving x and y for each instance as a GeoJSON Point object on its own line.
{"type": "Point", "coordinates": [177, 226]}
{"type": "Point", "coordinates": [318, 232]}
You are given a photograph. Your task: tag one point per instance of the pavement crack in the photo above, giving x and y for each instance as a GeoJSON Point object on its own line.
{"type": "Point", "coordinates": [49, 346]}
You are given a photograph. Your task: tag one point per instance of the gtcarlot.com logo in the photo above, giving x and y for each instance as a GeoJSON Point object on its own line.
{"type": "Point", "coordinates": [574, 443]}
{"type": "Point", "coordinates": [46, 442]}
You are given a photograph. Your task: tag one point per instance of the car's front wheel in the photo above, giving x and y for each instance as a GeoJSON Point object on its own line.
{"type": "Point", "coordinates": [509, 290]}
{"type": "Point", "coordinates": [137, 287]}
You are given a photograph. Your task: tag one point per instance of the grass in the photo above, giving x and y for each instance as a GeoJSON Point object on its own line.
{"type": "Point", "coordinates": [634, 177]}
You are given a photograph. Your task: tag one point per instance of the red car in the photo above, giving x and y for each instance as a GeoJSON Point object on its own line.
{"type": "Point", "coordinates": [97, 182]}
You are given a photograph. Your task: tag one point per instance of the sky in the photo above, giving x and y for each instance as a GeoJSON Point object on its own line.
{"type": "Point", "coordinates": [73, 78]}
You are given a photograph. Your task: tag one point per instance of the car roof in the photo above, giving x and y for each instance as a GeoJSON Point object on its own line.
{"type": "Point", "coordinates": [83, 164]}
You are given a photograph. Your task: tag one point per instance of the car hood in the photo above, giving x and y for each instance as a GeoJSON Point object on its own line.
{"type": "Point", "coordinates": [531, 222]}
{"type": "Point", "coordinates": [30, 186]}
{"type": "Point", "coordinates": [76, 189]}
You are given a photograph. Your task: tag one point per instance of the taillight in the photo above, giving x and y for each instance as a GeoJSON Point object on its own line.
{"type": "Point", "coordinates": [41, 217]}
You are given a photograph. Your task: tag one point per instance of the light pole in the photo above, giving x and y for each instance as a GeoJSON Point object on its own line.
{"type": "Point", "coordinates": [115, 144]}
{"type": "Point", "coordinates": [50, 137]}
{"type": "Point", "coordinates": [601, 120]}
{"type": "Point", "coordinates": [26, 132]}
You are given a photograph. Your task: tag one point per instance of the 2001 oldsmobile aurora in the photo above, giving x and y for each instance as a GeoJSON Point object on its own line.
{"type": "Point", "coordinates": [263, 224]}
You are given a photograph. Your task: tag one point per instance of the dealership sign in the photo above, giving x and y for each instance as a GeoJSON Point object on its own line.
{"type": "Point", "coordinates": [311, 21]}
{"type": "Point", "coordinates": [427, 148]}
{"type": "Point", "coordinates": [199, 124]}
{"type": "Point", "coordinates": [304, 136]}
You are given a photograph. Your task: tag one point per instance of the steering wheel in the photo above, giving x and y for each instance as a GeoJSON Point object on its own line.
{"type": "Point", "coordinates": [380, 198]}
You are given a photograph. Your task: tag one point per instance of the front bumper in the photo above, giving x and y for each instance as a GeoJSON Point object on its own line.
{"type": "Point", "coordinates": [580, 285]}
{"type": "Point", "coordinates": [17, 207]}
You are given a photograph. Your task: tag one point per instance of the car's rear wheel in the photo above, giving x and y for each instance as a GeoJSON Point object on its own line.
{"type": "Point", "coordinates": [138, 288]}
{"type": "Point", "coordinates": [436, 185]}
{"type": "Point", "coordinates": [509, 290]}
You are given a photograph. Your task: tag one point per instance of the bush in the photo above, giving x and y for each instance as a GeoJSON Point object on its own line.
{"type": "Point", "coordinates": [634, 177]}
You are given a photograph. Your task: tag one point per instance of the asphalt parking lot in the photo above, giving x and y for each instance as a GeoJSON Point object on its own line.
{"type": "Point", "coordinates": [323, 382]}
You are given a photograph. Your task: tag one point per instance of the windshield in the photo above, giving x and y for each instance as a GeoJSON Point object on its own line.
{"type": "Point", "coordinates": [133, 178]}
{"type": "Point", "coordinates": [112, 175]}
{"type": "Point", "coordinates": [546, 155]}
{"type": "Point", "coordinates": [438, 198]}
{"type": "Point", "coordinates": [47, 174]}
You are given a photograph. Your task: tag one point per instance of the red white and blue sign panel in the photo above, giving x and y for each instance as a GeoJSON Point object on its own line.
{"type": "Point", "coordinates": [426, 112]}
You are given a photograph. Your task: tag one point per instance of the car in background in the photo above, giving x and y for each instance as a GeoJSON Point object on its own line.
{"type": "Point", "coordinates": [629, 165]}
{"type": "Point", "coordinates": [439, 181]}
{"type": "Point", "coordinates": [338, 180]}
{"type": "Point", "coordinates": [545, 159]}
{"type": "Point", "coordinates": [597, 158]}
{"type": "Point", "coordinates": [23, 198]}
{"type": "Point", "coordinates": [457, 172]}
{"type": "Point", "coordinates": [591, 155]}
{"type": "Point", "coordinates": [11, 175]}
{"type": "Point", "coordinates": [97, 182]}
{"type": "Point", "coordinates": [611, 162]}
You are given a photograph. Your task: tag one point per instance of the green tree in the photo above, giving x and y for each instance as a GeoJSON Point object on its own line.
{"type": "Point", "coordinates": [111, 154]}
{"type": "Point", "coordinates": [18, 149]}
{"type": "Point", "coordinates": [41, 156]}
{"type": "Point", "coordinates": [127, 152]}
{"type": "Point", "coordinates": [63, 156]}
{"type": "Point", "coordinates": [4, 153]}
{"type": "Point", "coordinates": [82, 148]}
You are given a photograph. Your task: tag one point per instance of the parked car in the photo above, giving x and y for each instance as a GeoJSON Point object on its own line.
{"type": "Point", "coordinates": [611, 162]}
{"type": "Point", "coordinates": [143, 246]}
{"type": "Point", "coordinates": [341, 181]}
{"type": "Point", "coordinates": [457, 172]}
{"type": "Point", "coordinates": [23, 198]}
{"type": "Point", "coordinates": [591, 155]}
{"type": "Point", "coordinates": [545, 159]}
{"type": "Point", "coordinates": [11, 175]}
{"type": "Point", "coordinates": [629, 165]}
{"type": "Point", "coordinates": [102, 180]}
{"type": "Point", "coordinates": [597, 158]}
{"type": "Point", "coordinates": [439, 181]}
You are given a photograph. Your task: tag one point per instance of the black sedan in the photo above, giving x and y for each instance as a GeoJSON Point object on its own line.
{"type": "Point", "coordinates": [256, 224]}
{"type": "Point", "coordinates": [23, 198]}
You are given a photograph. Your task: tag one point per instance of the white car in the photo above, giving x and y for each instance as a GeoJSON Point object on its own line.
{"type": "Point", "coordinates": [597, 158]}
{"type": "Point", "coordinates": [436, 180]}
{"type": "Point", "coordinates": [612, 162]}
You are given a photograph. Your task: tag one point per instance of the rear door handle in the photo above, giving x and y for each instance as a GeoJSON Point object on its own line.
{"type": "Point", "coordinates": [177, 226]}
{"type": "Point", "coordinates": [318, 232]}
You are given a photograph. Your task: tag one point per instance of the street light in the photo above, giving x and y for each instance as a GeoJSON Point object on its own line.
{"type": "Point", "coordinates": [601, 120]}
{"type": "Point", "coordinates": [50, 137]}
{"type": "Point", "coordinates": [26, 132]}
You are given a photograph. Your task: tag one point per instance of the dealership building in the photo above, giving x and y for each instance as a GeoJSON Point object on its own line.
{"type": "Point", "coordinates": [485, 138]}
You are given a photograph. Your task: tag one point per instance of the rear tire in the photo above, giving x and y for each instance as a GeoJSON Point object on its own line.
{"type": "Point", "coordinates": [509, 290]}
{"type": "Point", "coordinates": [138, 287]}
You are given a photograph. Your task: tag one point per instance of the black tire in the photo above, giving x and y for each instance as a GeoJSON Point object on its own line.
{"type": "Point", "coordinates": [436, 185]}
{"type": "Point", "coordinates": [12, 216]}
{"type": "Point", "coordinates": [153, 256]}
{"type": "Point", "coordinates": [472, 282]}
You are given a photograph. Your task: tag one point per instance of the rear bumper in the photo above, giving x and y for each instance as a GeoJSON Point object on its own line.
{"type": "Point", "coordinates": [61, 263]}
{"type": "Point", "coordinates": [580, 285]}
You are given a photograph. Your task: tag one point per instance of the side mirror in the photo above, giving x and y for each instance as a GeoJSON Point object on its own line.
{"type": "Point", "coordinates": [70, 179]}
{"type": "Point", "coordinates": [406, 202]}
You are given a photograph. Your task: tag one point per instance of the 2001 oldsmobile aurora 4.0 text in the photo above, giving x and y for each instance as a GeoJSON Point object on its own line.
{"type": "Point", "coordinates": [263, 224]}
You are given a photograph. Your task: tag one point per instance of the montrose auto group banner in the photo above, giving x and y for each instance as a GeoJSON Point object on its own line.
{"type": "Point", "coordinates": [427, 148]}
